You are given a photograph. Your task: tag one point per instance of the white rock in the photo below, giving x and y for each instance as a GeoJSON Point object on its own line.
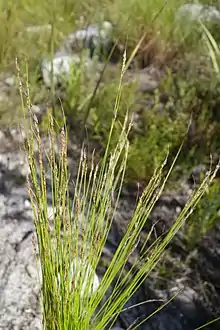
{"type": "Point", "coordinates": [178, 209]}
{"type": "Point", "coordinates": [36, 109]}
{"type": "Point", "coordinates": [62, 65]}
{"type": "Point", "coordinates": [61, 68]}
{"type": "Point", "coordinates": [89, 39]}
{"type": "Point", "coordinates": [2, 135]}
{"type": "Point", "coordinates": [92, 36]}
{"type": "Point", "coordinates": [83, 271]}
{"type": "Point", "coordinates": [89, 273]}
{"type": "Point", "coordinates": [36, 324]}
{"type": "Point", "coordinates": [27, 204]}
{"type": "Point", "coordinates": [10, 81]}
{"type": "Point", "coordinates": [197, 11]}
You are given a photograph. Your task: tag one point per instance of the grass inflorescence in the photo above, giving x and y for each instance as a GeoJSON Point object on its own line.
{"type": "Point", "coordinates": [71, 240]}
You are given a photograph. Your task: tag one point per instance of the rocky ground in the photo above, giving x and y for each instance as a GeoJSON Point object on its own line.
{"type": "Point", "coordinates": [198, 274]}
{"type": "Point", "coordinates": [19, 288]}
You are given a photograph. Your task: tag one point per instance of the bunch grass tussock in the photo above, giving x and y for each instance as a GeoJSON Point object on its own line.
{"type": "Point", "coordinates": [70, 244]}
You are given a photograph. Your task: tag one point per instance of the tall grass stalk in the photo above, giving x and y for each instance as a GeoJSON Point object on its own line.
{"type": "Point", "coordinates": [70, 244]}
{"type": "Point", "coordinates": [213, 48]}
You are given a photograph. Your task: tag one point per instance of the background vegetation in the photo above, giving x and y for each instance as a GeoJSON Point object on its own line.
{"type": "Point", "coordinates": [187, 89]}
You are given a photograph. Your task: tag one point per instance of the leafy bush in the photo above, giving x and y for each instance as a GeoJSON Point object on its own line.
{"type": "Point", "coordinates": [158, 126]}
{"type": "Point", "coordinates": [89, 102]}
{"type": "Point", "coordinates": [205, 217]}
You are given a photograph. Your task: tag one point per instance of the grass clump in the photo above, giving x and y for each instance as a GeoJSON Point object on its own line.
{"type": "Point", "coordinates": [70, 244]}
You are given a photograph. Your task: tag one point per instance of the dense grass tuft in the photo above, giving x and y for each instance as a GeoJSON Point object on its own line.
{"type": "Point", "coordinates": [70, 243]}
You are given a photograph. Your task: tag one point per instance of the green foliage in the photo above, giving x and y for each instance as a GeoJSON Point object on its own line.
{"type": "Point", "coordinates": [79, 89]}
{"type": "Point", "coordinates": [205, 217]}
{"type": "Point", "coordinates": [148, 150]}
{"type": "Point", "coordinates": [89, 101]}
{"type": "Point", "coordinates": [159, 129]}
{"type": "Point", "coordinates": [161, 125]}
{"type": "Point", "coordinates": [70, 243]}
{"type": "Point", "coordinates": [208, 211]}
{"type": "Point", "coordinates": [192, 91]}
{"type": "Point", "coordinates": [154, 18]}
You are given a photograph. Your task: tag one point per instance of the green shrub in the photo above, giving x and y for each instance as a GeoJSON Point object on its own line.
{"type": "Point", "coordinates": [161, 125]}
{"type": "Point", "coordinates": [207, 214]}
{"type": "Point", "coordinates": [205, 217]}
{"type": "Point", "coordinates": [160, 131]}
